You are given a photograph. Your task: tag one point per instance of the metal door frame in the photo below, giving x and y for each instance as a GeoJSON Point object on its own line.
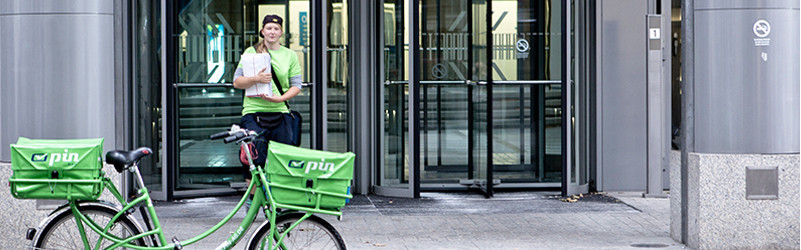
{"type": "Point", "coordinates": [414, 108]}
{"type": "Point", "coordinates": [413, 189]}
{"type": "Point", "coordinates": [169, 113]}
{"type": "Point", "coordinates": [567, 188]}
{"type": "Point", "coordinates": [577, 187]}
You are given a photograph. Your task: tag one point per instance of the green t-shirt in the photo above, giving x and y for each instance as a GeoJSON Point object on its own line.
{"type": "Point", "coordinates": [285, 65]}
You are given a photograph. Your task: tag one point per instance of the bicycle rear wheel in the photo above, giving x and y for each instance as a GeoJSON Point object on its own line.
{"type": "Point", "coordinates": [62, 232]}
{"type": "Point", "coordinates": [312, 233]}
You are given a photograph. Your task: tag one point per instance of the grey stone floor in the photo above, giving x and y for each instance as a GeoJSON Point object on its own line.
{"type": "Point", "coordinates": [456, 220]}
{"type": "Point", "coordinates": [510, 220]}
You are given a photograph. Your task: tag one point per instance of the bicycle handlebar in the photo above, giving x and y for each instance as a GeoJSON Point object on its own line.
{"type": "Point", "coordinates": [234, 134]}
{"type": "Point", "coordinates": [219, 135]}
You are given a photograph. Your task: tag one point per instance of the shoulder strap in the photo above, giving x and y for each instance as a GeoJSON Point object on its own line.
{"type": "Point", "coordinates": [277, 83]}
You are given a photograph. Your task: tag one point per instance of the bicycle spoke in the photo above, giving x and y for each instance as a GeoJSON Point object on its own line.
{"type": "Point", "coordinates": [63, 233]}
{"type": "Point", "coordinates": [311, 233]}
{"type": "Point", "coordinates": [308, 235]}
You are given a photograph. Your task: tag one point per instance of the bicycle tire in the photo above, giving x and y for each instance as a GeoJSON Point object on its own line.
{"type": "Point", "coordinates": [312, 233]}
{"type": "Point", "coordinates": [62, 231]}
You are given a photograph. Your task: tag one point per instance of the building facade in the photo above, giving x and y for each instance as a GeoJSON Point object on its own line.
{"type": "Point", "coordinates": [482, 100]}
{"type": "Point", "coordinates": [431, 95]}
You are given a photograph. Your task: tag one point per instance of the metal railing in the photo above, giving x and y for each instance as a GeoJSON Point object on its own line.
{"type": "Point", "coordinates": [469, 82]}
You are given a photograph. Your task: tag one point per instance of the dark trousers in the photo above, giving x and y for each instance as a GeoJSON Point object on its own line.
{"type": "Point", "coordinates": [281, 133]}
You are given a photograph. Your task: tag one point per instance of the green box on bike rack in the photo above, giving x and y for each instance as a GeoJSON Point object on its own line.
{"type": "Point", "coordinates": [56, 169]}
{"type": "Point", "coordinates": [298, 175]}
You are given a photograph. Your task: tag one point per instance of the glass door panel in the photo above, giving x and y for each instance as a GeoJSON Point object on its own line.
{"type": "Point", "coordinates": [527, 134]}
{"type": "Point", "coordinates": [474, 130]}
{"type": "Point", "coordinates": [205, 110]}
{"type": "Point", "coordinates": [452, 61]}
{"type": "Point", "coordinates": [210, 36]}
{"type": "Point", "coordinates": [393, 174]}
{"type": "Point", "coordinates": [479, 97]}
{"type": "Point", "coordinates": [147, 92]}
{"type": "Point", "coordinates": [398, 174]}
{"type": "Point", "coordinates": [526, 72]}
{"type": "Point", "coordinates": [444, 108]}
{"type": "Point", "coordinates": [337, 90]}
{"type": "Point", "coordinates": [580, 96]}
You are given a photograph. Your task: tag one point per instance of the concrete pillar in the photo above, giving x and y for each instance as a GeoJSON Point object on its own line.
{"type": "Point", "coordinates": [741, 185]}
{"type": "Point", "coordinates": [57, 68]}
{"type": "Point", "coordinates": [57, 65]}
{"type": "Point", "coordinates": [363, 69]}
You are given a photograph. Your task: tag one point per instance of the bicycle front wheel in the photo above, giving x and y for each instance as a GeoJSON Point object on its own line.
{"type": "Point", "coordinates": [312, 233]}
{"type": "Point", "coordinates": [62, 232]}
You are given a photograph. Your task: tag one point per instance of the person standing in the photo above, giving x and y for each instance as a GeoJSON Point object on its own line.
{"type": "Point", "coordinates": [264, 114]}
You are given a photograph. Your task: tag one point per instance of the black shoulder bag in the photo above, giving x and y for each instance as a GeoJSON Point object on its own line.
{"type": "Point", "coordinates": [273, 120]}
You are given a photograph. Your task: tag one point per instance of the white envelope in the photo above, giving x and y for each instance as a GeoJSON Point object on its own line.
{"type": "Point", "coordinates": [252, 64]}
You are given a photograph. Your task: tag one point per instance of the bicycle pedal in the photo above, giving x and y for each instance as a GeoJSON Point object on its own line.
{"type": "Point", "coordinates": [177, 243]}
{"type": "Point", "coordinates": [30, 233]}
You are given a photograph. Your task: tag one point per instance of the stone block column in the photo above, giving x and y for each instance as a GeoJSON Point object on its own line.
{"type": "Point", "coordinates": [740, 182]}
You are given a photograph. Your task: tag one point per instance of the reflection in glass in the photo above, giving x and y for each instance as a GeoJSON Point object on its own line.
{"type": "Point", "coordinates": [211, 36]}
{"type": "Point", "coordinates": [526, 117]}
{"type": "Point", "coordinates": [444, 108]}
{"type": "Point", "coordinates": [453, 43]}
{"type": "Point", "coordinates": [337, 88]}
{"type": "Point", "coordinates": [147, 90]}
{"type": "Point", "coordinates": [477, 94]}
{"type": "Point", "coordinates": [203, 111]}
{"type": "Point", "coordinates": [581, 88]}
{"type": "Point", "coordinates": [527, 133]}
{"type": "Point", "coordinates": [527, 120]}
{"type": "Point", "coordinates": [526, 39]}
{"type": "Point", "coordinates": [394, 172]}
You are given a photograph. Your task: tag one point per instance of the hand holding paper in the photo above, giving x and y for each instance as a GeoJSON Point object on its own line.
{"type": "Point", "coordinates": [273, 98]}
{"type": "Point", "coordinates": [264, 76]}
{"type": "Point", "coordinates": [258, 65]}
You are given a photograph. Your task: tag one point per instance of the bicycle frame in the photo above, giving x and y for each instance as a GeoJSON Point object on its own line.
{"type": "Point", "coordinates": [102, 230]}
{"type": "Point", "coordinates": [156, 234]}
{"type": "Point", "coordinates": [144, 197]}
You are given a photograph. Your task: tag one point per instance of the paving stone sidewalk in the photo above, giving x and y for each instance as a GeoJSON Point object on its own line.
{"type": "Point", "coordinates": [510, 220]}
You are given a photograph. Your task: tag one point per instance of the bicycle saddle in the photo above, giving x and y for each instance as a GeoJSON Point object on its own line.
{"type": "Point", "coordinates": [121, 158]}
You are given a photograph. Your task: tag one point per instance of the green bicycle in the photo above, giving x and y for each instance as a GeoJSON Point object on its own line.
{"type": "Point", "coordinates": [297, 184]}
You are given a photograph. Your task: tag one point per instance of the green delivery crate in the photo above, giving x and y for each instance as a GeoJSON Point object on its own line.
{"type": "Point", "coordinates": [56, 169]}
{"type": "Point", "coordinates": [300, 176]}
